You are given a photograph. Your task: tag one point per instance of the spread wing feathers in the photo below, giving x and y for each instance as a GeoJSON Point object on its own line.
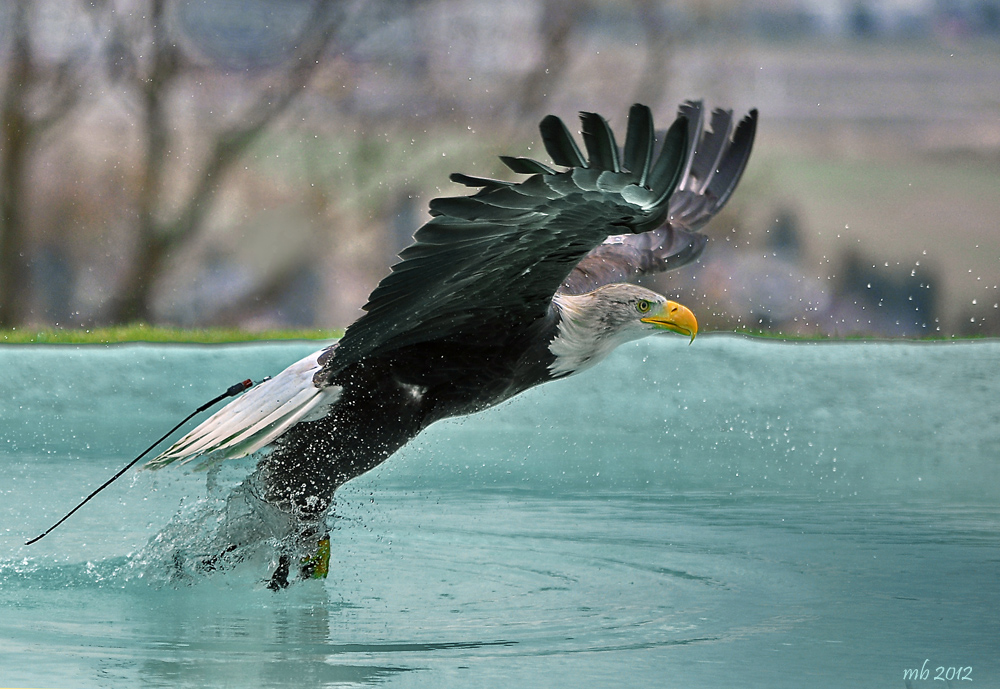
{"type": "Point", "coordinates": [525, 166]}
{"type": "Point", "coordinates": [600, 142]}
{"type": "Point", "coordinates": [499, 255]}
{"type": "Point", "coordinates": [559, 143]}
{"type": "Point", "coordinates": [717, 163]}
{"type": "Point", "coordinates": [255, 419]}
{"type": "Point", "coordinates": [709, 173]}
{"type": "Point", "coordinates": [639, 142]}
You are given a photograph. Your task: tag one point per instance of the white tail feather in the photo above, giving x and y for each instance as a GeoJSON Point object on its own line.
{"type": "Point", "coordinates": [257, 418]}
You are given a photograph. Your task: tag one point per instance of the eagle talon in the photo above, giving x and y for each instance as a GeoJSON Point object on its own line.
{"type": "Point", "coordinates": [279, 580]}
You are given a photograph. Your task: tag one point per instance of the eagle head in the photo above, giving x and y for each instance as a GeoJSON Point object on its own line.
{"type": "Point", "coordinates": [591, 325]}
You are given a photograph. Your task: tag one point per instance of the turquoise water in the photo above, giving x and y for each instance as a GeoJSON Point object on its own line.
{"type": "Point", "coordinates": [733, 513]}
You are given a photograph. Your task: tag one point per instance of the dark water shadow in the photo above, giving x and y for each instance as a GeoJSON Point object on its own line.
{"type": "Point", "coordinates": [414, 647]}
{"type": "Point", "coordinates": [287, 672]}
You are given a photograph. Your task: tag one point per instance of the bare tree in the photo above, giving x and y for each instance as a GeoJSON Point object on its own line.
{"type": "Point", "coordinates": [147, 60]}
{"type": "Point", "coordinates": [36, 96]}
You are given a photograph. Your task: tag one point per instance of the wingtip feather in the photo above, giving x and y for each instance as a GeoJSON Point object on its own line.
{"type": "Point", "coordinates": [669, 166]}
{"type": "Point", "coordinates": [559, 143]}
{"type": "Point", "coordinates": [640, 138]}
{"type": "Point", "coordinates": [602, 151]}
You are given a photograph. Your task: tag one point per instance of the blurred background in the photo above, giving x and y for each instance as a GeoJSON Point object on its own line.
{"type": "Point", "coordinates": [259, 163]}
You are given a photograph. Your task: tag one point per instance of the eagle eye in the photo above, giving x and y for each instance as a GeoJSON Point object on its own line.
{"type": "Point", "coordinates": [642, 306]}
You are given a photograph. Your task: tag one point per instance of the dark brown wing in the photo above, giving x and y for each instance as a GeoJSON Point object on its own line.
{"type": "Point", "coordinates": [494, 260]}
{"type": "Point", "coordinates": [709, 175]}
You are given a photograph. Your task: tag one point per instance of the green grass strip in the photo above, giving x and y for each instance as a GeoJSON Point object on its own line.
{"type": "Point", "coordinates": [156, 333]}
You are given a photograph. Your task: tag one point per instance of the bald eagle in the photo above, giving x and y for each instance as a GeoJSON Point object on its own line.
{"type": "Point", "coordinates": [514, 285]}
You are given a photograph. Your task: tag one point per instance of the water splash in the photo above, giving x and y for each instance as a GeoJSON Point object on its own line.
{"type": "Point", "coordinates": [232, 530]}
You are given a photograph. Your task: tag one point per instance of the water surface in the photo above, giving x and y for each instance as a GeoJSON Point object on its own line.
{"type": "Point", "coordinates": [734, 513]}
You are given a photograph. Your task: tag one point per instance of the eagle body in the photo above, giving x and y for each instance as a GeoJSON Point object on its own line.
{"type": "Point", "coordinates": [512, 286]}
{"type": "Point", "coordinates": [383, 403]}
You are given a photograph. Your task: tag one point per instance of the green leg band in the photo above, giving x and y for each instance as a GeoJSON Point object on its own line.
{"type": "Point", "coordinates": [318, 565]}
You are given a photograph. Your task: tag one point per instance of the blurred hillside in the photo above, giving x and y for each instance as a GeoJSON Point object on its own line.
{"type": "Point", "coordinates": [260, 163]}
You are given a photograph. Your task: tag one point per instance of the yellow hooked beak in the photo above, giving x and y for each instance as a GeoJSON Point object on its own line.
{"type": "Point", "coordinates": [675, 317]}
